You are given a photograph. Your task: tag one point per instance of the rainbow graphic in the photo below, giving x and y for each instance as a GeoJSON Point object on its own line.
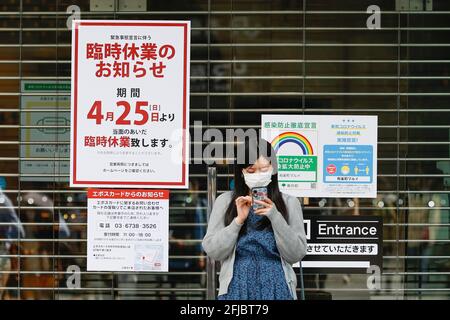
{"type": "Point", "coordinates": [293, 137]}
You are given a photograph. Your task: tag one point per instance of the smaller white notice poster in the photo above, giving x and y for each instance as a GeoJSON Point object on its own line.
{"type": "Point", "coordinates": [128, 230]}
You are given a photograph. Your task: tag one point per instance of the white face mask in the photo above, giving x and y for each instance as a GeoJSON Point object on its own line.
{"type": "Point", "coordinates": [258, 179]}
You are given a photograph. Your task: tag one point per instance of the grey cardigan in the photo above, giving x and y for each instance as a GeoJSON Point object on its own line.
{"type": "Point", "coordinates": [220, 241]}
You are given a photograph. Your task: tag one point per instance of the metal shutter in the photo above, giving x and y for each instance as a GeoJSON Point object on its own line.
{"type": "Point", "coordinates": [248, 58]}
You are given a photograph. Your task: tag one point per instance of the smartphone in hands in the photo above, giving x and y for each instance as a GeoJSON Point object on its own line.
{"type": "Point", "coordinates": [258, 193]}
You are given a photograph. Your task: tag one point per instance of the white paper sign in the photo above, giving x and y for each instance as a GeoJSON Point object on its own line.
{"type": "Point", "coordinates": [37, 127]}
{"type": "Point", "coordinates": [130, 103]}
{"type": "Point", "coordinates": [324, 156]}
{"type": "Point", "coordinates": [128, 230]}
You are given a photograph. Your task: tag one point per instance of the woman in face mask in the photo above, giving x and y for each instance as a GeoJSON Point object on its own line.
{"type": "Point", "coordinates": [256, 247]}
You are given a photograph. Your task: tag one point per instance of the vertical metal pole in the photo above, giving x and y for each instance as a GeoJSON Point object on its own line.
{"type": "Point", "coordinates": [210, 263]}
{"type": "Point", "coordinates": [302, 284]}
{"type": "Point", "coordinates": [113, 277]}
{"type": "Point", "coordinates": [19, 196]}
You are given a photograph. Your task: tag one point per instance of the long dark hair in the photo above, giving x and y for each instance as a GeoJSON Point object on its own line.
{"type": "Point", "coordinates": [252, 150]}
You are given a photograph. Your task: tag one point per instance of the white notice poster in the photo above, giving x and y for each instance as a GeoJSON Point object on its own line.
{"type": "Point", "coordinates": [324, 156]}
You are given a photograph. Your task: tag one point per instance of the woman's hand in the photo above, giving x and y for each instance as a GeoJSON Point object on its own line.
{"type": "Point", "coordinates": [267, 203]}
{"type": "Point", "coordinates": [243, 204]}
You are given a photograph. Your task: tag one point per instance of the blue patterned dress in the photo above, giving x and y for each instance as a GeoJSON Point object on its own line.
{"type": "Point", "coordinates": [257, 273]}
